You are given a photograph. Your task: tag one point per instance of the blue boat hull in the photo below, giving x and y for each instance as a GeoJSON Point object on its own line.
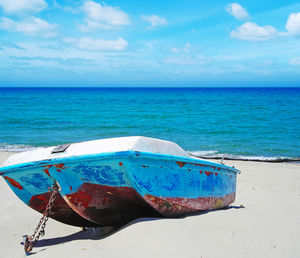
{"type": "Point", "coordinates": [115, 188]}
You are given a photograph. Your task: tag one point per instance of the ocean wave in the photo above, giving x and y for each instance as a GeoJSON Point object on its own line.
{"type": "Point", "coordinates": [215, 155]}
{"type": "Point", "coordinates": [203, 153]}
{"type": "Point", "coordinates": [16, 147]}
{"type": "Point", "coordinates": [210, 154]}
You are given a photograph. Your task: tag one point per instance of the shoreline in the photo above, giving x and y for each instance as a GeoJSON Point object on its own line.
{"type": "Point", "coordinates": [279, 160]}
{"type": "Point", "coordinates": [226, 157]}
{"type": "Point", "coordinates": [267, 225]}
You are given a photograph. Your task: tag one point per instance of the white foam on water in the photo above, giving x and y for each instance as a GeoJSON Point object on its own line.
{"type": "Point", "coordinates": [16, 147]}
{"type": "Point", "coordinates": [213, 154]}
{"type": "Point", "coordinates": [203, 153]}
{"type": "Point", "coordinates": [206, 154]}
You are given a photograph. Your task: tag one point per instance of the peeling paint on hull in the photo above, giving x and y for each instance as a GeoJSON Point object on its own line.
{"type": "Point", "coordinates": [174, 207]}
{"type": "Point", "coordinates": [32, 186]}
{"type": "Point", "coordinates": [61, 211]}
{"type": "Point", "coordinates": [105, 205]}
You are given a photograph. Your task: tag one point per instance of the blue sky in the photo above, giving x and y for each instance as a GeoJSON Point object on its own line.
{"type": "Point", "coordinates": [149, 43]}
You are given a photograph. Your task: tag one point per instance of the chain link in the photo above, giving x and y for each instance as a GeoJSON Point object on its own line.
{"type": "Point", "coordinates": [30, 241]}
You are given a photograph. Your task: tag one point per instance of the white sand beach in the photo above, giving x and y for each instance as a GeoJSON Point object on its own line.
{"type": "Point", "coordinates": [267, 226]}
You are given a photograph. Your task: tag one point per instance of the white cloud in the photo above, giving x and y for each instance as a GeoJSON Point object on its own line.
{"type": "Point", "coordinates": [253, 32]}
{"type": "Point", "coordinates": [186, 60]}
{"type": "Point", "coordinates": [185, 49]}
{"type": "Point", "coordinates": [69, 40]}
{"type": "Point", "coordinates": [91, 25]}
{"type": "Point", "coordinates": [295, 61]}
{"type": "Point", "coordinates": [15, 6]}
{"type": "Point", "coordinates": [101, 16]}
{"type": "Point", "coordinates": [154, 20]}
{"type": "Point", "coordinates": [98, 44]}
{"type": "Point", "coordinates": [237, 11]}
{"type": "Point", "coordinates": [293, 24]}
{"type": "Point", "coordinates": [31, 26]}
{"type": "Point", "coordinates": [175, 50]}
{"type": "Point", "coordinates": [6, 23]}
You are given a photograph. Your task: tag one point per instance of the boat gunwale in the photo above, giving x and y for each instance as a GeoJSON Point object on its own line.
{"type": "Point", "coordinates": [104, 155]}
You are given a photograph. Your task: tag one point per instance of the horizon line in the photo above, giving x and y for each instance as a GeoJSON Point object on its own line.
{"type": "Point", "coordinates": [145, 87]}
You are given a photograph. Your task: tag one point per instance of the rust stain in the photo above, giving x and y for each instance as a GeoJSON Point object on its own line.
{"type": "Point", "coordinates": [58, 168]}
{"type": "Point", "coordinates": [106, 205]}
{"type": "Point", "coordinates": [80, 197]}
{"type": "Point", "coordinates": [13, 183]}
{"type": "Point", "coordinates": [199, 165]}
{"type": "Point", "coordinates": [180, 205]}
{"type": "Point", "coordinates": [180, 164]}
{"type": "Point", "coordinates": [166, 207]}
{"type": "Point", "coordinates": [61, 166]}
{"type": "Point", "coordinates": [60, 210]}
{"type": "Point", "coordinates": [46, 170]}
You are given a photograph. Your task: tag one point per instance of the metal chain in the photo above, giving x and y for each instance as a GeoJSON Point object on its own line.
{"type": "Point", "coordinates": [29, 241]}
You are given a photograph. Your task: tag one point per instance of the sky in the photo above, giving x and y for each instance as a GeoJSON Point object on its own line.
{"type": "Point", "coordinates": [190, 43]}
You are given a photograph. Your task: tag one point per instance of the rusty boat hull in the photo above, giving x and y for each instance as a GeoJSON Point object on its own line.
{"type": "Point", "coordinates": [122, 179]}
{"type": "Point", "coordinates": [32, 185]}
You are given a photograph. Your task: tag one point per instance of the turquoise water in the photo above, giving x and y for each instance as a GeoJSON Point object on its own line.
{"type": "Point", "coordinates": [260, 122]}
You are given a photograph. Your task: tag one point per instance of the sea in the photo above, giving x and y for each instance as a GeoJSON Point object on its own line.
{"type": "Point", "coordinates": [243, 123]}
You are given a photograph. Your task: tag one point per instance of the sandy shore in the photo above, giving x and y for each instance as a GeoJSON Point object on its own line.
{"type": "Point", "coordinates": [268, 226]}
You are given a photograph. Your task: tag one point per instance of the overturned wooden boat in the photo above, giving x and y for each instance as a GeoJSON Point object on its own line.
{"type": "Point", "coordinates": [110, 182]}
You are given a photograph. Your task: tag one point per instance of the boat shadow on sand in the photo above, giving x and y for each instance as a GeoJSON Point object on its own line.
{"type": "Point", "coordinates": [104, 232]}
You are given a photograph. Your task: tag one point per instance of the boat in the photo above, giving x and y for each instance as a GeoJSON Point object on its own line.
{"type": "Point", "coordinates": [110, 182]}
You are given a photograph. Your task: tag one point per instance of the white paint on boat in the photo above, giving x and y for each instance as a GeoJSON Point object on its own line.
{"type": "Point", "coordinates": [132, 143]}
